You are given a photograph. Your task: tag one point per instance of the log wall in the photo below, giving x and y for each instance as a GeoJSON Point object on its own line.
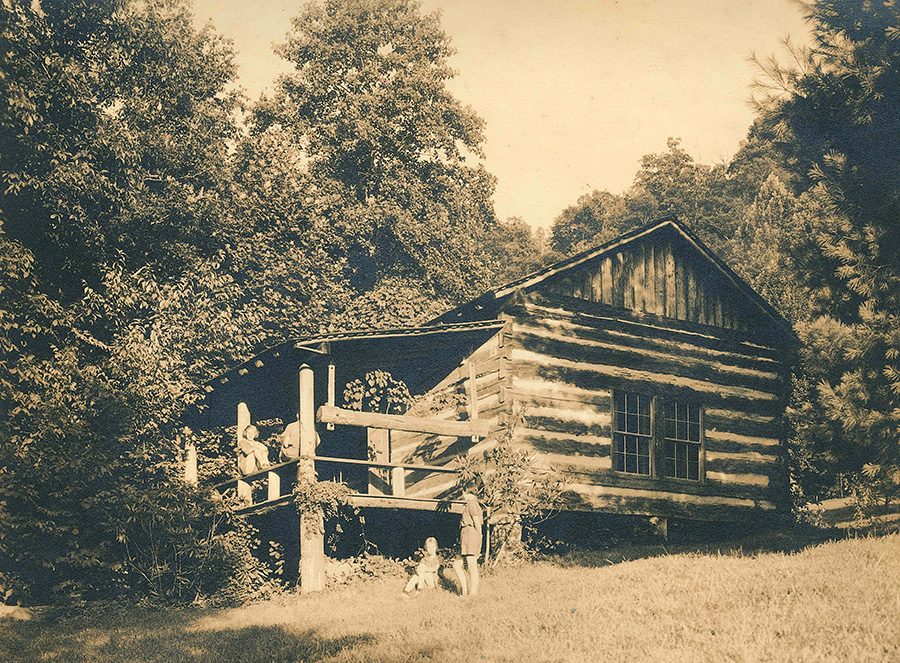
{"type": "Point", "coordinates": [565, 364]}
{"type": "Point", "coordinates": [481, 375]}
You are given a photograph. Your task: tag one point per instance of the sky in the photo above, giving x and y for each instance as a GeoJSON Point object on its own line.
{"type": "Point", "coordinates": [573, 92]}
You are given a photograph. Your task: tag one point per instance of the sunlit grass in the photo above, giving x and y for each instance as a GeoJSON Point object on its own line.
{"type": "Point", "coordinates": [836, 601]}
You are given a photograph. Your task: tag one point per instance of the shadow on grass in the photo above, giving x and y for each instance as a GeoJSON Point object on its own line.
{"type": "Point", "coordinates": [95, 640]}
{"type": "Point", "coordinates": [623, 541]}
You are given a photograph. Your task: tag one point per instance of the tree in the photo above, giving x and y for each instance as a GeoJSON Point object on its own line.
{"type": "Point", "coordinates": [517, 249]}
{"type": "Point", "coordinates": [595, 218]}
{"type": "Point", "coordinates": [114, 117]}
{"type": "Point", "coordinates": [672, 183]}
{"type": "Point", "coordinates": [836, 115]}
{"type": "Point", "coordinates": [115, 214]}
{"type": "Point", "coordinates": [382, 137]}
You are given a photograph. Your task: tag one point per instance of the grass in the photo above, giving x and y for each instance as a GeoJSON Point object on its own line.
{"type": "Point", "coordinates": [832, 601]}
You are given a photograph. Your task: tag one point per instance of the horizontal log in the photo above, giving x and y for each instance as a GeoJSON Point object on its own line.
{"type": "Point", "coordinates": [728, 464]}
{"type": "Point", "coordinates": [567, 376]}
{"type": "Point", "coordinates": [565, 413]}
{"type": "Point", "coordinates": [606, 340]}
{"type": "Point", "coordinates": [582, 369]}
{"type": "Point", "coordinates": [677, 486]}
{"type": "Point", "coordinates": [563, 443]}
{"type": "Point", "coordinates": [647, 506]}
{"type": "Point", "coordinates": [568, 426]}
{"type": "Point", "coordinates": [683, 498]}
{"type": "Point", "coordinates": [574, 465]}
{"type": "Point", "coordinates": [330, 414]}
{"type": "Point", "coordinates": [746, 456]}
{"type": "Point", "coordinates": [742, 422]}
{"type": "Point", "coordinates": [645, 325]}
{"type": "Point", "coordinates": [533, 387]}
{"type": "Point", "coordinates": [660, 362]}
{"type": "Point", "coordinates": [417, 503]}
{"type": "Point", "coordinates": [597, 401]}
{"type": "Point", "coordinates": [744, 440]}
{"type": "Point", "coordinates": [742, 479]}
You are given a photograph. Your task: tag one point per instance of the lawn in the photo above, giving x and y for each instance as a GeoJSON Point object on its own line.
{"type": "Point", "coordinates": [834, 601]}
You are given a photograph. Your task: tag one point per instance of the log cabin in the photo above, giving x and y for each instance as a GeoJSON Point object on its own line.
{"type": "Point", "coordinates": [648, 373]}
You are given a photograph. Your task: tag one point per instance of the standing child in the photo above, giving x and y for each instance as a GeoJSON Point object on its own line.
{"type": "Point", "coordinates": [469, 545]}
{"type": "Point", "coordinates": [426, 574]}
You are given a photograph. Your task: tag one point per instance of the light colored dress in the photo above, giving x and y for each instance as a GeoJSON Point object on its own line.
{"type": "Point", "coordinates": [470, 529]}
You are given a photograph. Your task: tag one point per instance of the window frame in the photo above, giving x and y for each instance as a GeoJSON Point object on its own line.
{"type": "Point", "coordinates": [651, 438]}
{"type": "Point", "coordinates": [658, 437]}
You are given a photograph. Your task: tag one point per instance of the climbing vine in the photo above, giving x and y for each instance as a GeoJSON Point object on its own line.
{"type": "Point", "coordinates": [378, 391]}
{"type": "Point", "coordinates": [319, 501]}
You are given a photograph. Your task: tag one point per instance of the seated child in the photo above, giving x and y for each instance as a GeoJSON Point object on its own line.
{"type": "Point", "coordinates": [427, 572]}
{"type": "Point", "coordinates": [253, 455]}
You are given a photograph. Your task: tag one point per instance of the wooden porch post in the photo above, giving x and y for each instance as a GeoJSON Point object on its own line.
{"type": "Point", "coordinates": [379, 442]}
{"type": "Point", "coordinates": [244, 492]}
{"type": "Point", "coordinates": [190, 457]}
{"type": "Point", "coordinates": [312, 539]}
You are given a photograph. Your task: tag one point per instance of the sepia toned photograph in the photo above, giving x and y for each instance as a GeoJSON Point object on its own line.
{"type": "Point", "coordinates": [388, 331]}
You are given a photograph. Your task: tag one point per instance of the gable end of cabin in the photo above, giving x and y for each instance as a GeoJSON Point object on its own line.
{"type": "Point", "coordinates": [654, 379]}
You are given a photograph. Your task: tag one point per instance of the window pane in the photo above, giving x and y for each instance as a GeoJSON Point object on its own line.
{"type": "Point", "coordinates": [644, 425]}
{"type": "Point", "coordinates": [694, 432]}
{"type": "Point", "coordinates": [643, 465]}
{"type": "Point", "coordinates": [693, 461]}
{"type": "Point", "coordinates": [694, 414]}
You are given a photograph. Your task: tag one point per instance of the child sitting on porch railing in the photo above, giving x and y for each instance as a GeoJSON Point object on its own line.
{"type": "Point", "coordinates": [426, 575]}
{"type": "Point", "coordinates": [253, 455]}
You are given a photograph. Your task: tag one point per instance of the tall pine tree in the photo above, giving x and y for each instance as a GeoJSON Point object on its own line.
{"type": "Point", "coordinates": [836, 116]}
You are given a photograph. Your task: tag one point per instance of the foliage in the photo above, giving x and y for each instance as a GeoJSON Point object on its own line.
{"type": "Point", "coordinates": [362, 568]}
{"type": "Point", "coordinates": [378, 391]}
{"type": "Point", "coordinates": [113, 305]}
{"type": "Point", "coordinates": [594, 219]}
{"type": "Point", "coordinates": [318, 501]}
{"type": "Point", "coordinates": [517, 249]}
{"type": "Point", "coordinates": [835, 114]}
{"type": "Point", "coordinates": [512, 489]}
{"type": "Point", "coordinates": [114, 118]}
{"type": "Point", "coordinates": [179, 542]}
{"type": "Point", "coordinates": [384, 145]}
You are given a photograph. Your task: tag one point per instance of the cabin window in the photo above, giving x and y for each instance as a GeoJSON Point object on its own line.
{"type": "Point", "coordinates": [632, 434]}
{"type": "Point", "coordinates": [656, 436]}
{"type": "Point", "coordinates": [682, 441]}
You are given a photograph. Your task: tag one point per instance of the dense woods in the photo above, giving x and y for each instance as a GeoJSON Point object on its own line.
{"type": "Point", "coordinates": [149, 239]}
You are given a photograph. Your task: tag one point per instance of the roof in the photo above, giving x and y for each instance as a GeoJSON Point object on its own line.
{"type": "Point", "coordinates": [378, 342]}
{"type": "Point", "coordinates": [488, 303]}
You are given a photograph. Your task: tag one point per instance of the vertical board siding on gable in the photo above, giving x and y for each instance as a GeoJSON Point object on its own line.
{"type": "Point", "coordinates": [654, 276]}
{"type": "Point", "coordinates": [564, 366]}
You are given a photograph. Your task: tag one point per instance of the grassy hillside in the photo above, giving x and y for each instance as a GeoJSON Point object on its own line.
{"type": "Point", "coordinates": [836, 601]}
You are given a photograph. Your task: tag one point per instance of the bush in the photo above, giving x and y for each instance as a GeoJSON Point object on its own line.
{"type": "Point", "coordinates": [179, 542]}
